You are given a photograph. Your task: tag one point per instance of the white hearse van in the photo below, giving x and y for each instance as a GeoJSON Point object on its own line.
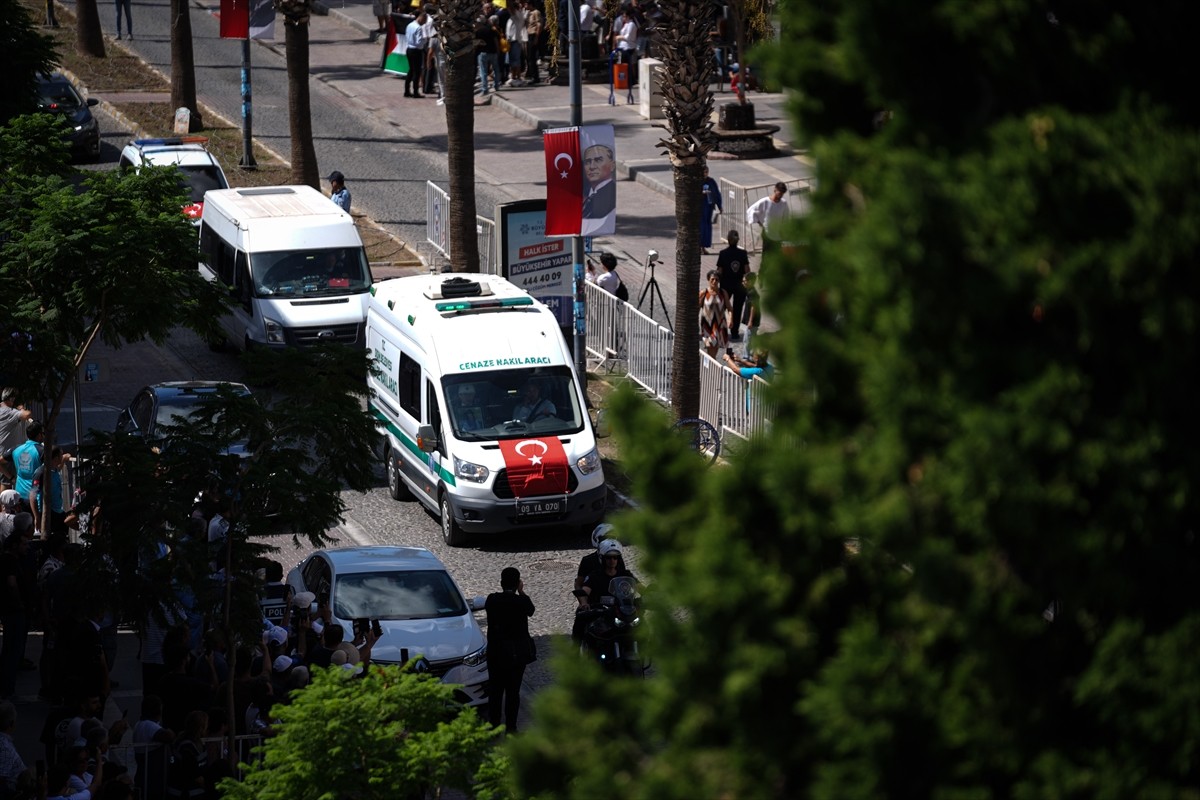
{"type": "Point", "coordinates": [293, 262]}
{"type": "Point", "coordinates": [483, 417]}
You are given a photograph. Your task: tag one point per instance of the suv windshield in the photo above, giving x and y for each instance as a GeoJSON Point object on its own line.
{"type": "Point", "coordinates": [511, 403]}
{"type": "Point", "coordinates": [202, 179]}
{"type": "Point", "coordinates": [58, 96]}
{"type": "Point", "coordinates": [417, 594]}
{"type": "Point", "coordinates": [311, 273]}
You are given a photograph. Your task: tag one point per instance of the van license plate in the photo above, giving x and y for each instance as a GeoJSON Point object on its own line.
{"type": "Point", "coordinates": [539, 508]}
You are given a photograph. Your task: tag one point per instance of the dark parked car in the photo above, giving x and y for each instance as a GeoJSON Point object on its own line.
{"type": "Point", "coordinates": [158, 405]}
{"type": "Point", "coordinates": [57, 95]}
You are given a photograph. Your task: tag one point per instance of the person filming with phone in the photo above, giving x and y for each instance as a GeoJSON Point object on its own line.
{"type": "Point", "coordinates": [510, 647]}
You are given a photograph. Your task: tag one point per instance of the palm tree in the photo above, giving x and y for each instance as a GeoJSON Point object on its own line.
{"type": "Point", "coordinates": [183, 63]}
{"type": "Point", "coordinates": [456, 28]}
{"type": "Point", "coordinates": [687, 55]}
{"type": "Point", "coordinates": [89, 38]}
{"type": "Point", "coordinates": [304, 152]}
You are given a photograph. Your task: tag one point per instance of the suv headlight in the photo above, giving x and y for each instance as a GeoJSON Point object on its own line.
{"type": "Point", "coordinates": [476, 658]}
{"type": "Point", "coordinates": [589, 462]}
{"type": "Point", "coordinates": [469, 472]}
{"type": "Point", "coordinates": [273, 330]}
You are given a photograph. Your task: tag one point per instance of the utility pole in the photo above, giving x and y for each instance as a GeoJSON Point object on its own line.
{"type": "Point", "coordinates": [580, 307]}
{"type": "Point", "coordinates": [247, 161]}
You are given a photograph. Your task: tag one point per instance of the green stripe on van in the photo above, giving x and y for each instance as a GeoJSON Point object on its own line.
{"type": "Point", "coordinates": [411, 445]}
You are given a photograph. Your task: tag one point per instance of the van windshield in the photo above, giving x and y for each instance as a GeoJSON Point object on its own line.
{"type": "Point", "coordinates": [511, 403]}
{"type": "Point", "coordinates": [311, 273]}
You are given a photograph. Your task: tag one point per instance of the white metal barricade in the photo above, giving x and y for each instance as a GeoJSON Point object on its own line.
{"type": "Point", "coordinates": [737, 199]}
{"type": "Point", "coordinates": [437, 218]}
{"type": "Point", "coordinates": [485, 232]}
{"type": "Point", "coordinates": [731, 403]}
{"type": "Point", "coordinates": [606, 339]}
{"type": "Point", "coordinates": [649, 347]}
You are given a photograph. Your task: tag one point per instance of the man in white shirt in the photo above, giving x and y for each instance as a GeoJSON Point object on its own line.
{"type": "Point", "coordinates": [587, 18]}
{"type": "Point", "coordinates": [771, 213]}
{"type": "Point", "coordinates": [416, 44]}
{"type": "Point", "coordinates": [610, 280]}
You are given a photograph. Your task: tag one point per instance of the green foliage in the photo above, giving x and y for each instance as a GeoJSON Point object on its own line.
{"type": "Point", "coordinates": [24, 52]}
{"type": "Point", "coordinates": [111, 260]}
{"type": "Point", "coordinates": [282, 456]}
{"type": "Point", "coordinates": [32, 145]}
{"type": "Point", "coordinates": [985, 388]}
{"type": "Point", "coordinates": [389, 734]}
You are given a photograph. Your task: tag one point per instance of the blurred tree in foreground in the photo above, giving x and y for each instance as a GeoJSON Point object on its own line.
{"type": "Point", "coordinates": [963, 565]}
{"type": "Point", "coordinates": [390, 734]}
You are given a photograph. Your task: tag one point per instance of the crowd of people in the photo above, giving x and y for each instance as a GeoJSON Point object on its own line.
{"type": "Point", "coordinates": [513, 39]}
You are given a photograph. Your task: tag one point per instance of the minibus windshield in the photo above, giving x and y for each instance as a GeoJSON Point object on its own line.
{"type": "Point", "coordinates": [310, 273]}
{"type": "Point", "coordinates": [511, 403]}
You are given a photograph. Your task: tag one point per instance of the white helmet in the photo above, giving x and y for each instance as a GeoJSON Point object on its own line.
{"type": "Point", "coordinates": [609, 546]}
{"type": "Point", "coordinates": [602, 532]}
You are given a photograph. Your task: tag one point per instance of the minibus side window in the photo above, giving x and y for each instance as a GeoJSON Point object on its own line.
{"type": "Point", "coordinates": [433, 410]}
{"type": "Point", "coordinates": [225, 263]}
{"type": "Point", "coordinates": [409, 386]}
{"type": "Point", "coordinates": [244, 288]}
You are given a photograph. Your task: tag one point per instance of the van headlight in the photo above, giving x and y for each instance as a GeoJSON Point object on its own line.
{"type": "Point", "coordinates": [273, 330]}
{"type": "Point", "coordinates": [476, 658]}
{"type": "Point", "coordinates": [469, 472]}
{"type": "Point", "coordinates": [590, 462]}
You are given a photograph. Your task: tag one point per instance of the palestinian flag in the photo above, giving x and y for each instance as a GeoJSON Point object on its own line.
{"type": "Point", "coordinates": [395, 50]}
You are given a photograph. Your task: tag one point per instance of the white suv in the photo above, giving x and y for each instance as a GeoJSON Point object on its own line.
{"type": "Point", "coordinates": [200, 168]}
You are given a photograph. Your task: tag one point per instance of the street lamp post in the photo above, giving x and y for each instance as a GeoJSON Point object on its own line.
{"type": "Point", "coordinates": [580, 309]}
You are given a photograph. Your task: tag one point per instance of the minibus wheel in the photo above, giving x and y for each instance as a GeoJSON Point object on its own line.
{"type": "Point", "coordinates": [451, 532]}
{"type": "Point", "coordinates": [396, 487]}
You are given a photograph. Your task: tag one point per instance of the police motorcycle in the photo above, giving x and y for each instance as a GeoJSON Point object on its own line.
{"type": "Point", "coordinates": [610, 629]}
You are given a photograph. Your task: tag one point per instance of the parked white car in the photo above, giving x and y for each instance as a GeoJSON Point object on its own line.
{"type": "Point", "coordinates": [418, 605]}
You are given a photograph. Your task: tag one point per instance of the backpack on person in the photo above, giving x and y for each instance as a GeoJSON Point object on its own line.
{"type": "Point", "coordinates": [622, 293]}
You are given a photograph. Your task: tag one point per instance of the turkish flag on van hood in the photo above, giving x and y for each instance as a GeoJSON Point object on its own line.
{"type": "Point", "coordinates": [536, 467]}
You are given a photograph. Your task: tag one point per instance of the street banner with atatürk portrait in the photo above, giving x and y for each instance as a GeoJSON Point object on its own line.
{"type": "Point", "coordinates": [581, 189]}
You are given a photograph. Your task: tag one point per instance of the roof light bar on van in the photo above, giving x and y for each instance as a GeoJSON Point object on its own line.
{"type": "Point", "coordinates": [171, 141]}
{"type": "Point", "coordinates": [475, 305]}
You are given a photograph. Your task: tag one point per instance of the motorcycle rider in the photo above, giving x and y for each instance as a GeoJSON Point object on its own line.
{"type": "Point", "coordinates": [595, 585]}
{"type": "Point", "coordinates": [591, 562]}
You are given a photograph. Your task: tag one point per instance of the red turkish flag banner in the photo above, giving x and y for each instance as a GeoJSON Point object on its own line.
{"type": "Point", "coordinates": [564, 182]}
{"type": "Point", "coordinates": [235, 19]}
{"type": "Point", "coordinates": [536, 467]}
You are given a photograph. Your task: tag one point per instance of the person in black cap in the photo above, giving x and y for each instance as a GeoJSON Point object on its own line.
{"type": "Point", "coordinates": [338, 192]}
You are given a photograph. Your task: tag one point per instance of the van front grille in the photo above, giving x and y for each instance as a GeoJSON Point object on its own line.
{"type": "Point", "coordinates": [328, 334]}
{"type": "Point", "coordinates": [502, 489]}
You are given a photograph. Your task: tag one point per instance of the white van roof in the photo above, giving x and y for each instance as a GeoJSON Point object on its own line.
{"type": "Point", "coordinates": [285, 217]}
{"type": "Point", "coordinates": [500, 327]}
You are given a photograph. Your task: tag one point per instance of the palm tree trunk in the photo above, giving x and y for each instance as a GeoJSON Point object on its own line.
{"type": "Point", "coordinates": [304, 153]}
{"type": "Point", "coordinates": [89, 38]}
{"type": "Point", "coordinates": [687, 54]}
{"type": "Point", "coordinates": [685, 352]}
{"type": "Point", "coordinates": [456, 26]}
{"type": "Point", "coordinates": [183, 64]}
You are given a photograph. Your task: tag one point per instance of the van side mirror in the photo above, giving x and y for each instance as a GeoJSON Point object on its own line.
{"type": "Point", "coordinates": [427, 439]}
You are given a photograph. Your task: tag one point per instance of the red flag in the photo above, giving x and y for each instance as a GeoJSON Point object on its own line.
{"type": "Point", "coordinates": [536, 467]}
{"type": "Point", "coordinates": [235, 19]}
{"type": "Point", "coordinates": [564, 182]}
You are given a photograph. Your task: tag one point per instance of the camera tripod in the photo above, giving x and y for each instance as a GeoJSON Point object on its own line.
{"type": "Point", "coordinates": [651, 288]}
